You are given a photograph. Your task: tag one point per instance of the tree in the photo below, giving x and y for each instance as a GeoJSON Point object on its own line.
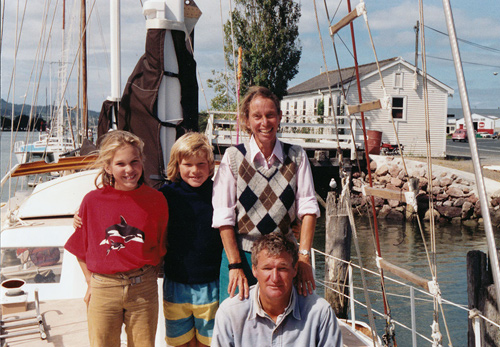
{"type": "Point", "coordinates": [267, 30]}
{"type": "Point", "coordinates": [224, 98]}
{"type": "Point", "coordinates": [321, 107]}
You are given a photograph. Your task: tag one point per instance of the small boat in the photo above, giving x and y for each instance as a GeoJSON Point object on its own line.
{"type": "Point", "coordinates": [50, 147]}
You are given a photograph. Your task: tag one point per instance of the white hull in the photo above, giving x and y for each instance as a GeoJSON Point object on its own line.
{"type": "Point", "coordinates": [51, 147]}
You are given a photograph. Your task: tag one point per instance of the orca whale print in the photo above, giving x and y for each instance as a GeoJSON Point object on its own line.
{"type": "Point", "coordinates": [118, 235]}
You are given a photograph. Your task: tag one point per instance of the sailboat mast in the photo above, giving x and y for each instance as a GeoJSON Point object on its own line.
{"type": "Point", "coordinates": [492, 250]}
{"type": "Point", "coordinates": [83, 24]}
{"type": "Point", "coordinates": [61, 80]}
{"type": "Point", "coordinates": [115, 47]}
{"type": "Point", "coordinates": [163, 16]}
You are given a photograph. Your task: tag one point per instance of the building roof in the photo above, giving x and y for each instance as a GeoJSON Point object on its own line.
{"type": "Point", "coordinates": [348, 75]}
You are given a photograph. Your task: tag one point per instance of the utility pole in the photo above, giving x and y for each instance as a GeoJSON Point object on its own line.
{"type": "Point", "coordinates": [416, 28]}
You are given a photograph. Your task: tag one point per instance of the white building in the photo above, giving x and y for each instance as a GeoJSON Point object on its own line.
{"type": "Point", "coordinates": [482, 124]}
{"type": "Point", "coordinates": [404, 88]}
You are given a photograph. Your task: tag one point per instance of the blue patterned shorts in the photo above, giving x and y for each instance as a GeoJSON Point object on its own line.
{"type": "Point", "coordinates": [189, 311]}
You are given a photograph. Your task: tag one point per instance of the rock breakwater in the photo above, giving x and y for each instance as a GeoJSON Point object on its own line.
{"type": "Point", "coordinates": [453, 192]}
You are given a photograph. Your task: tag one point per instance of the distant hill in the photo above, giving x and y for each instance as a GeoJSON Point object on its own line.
{"type": "Point", "coordinates": [41, 111]}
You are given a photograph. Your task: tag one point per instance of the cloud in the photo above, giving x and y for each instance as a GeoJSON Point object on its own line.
{"type": "Point", "coordinates": [391, 22]}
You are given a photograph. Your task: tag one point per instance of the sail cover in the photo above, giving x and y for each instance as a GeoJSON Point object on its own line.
{"type": "Point", "coordinates": [137, 111]}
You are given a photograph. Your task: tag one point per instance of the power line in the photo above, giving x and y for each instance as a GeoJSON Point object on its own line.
{"type": "Point", "coordinates": [465, 62]}
{"type": "Point", "coordinates": [477, 45]}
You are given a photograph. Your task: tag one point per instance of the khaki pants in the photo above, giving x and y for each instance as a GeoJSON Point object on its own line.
{"type": "Point", "coordinates": [129, 298]}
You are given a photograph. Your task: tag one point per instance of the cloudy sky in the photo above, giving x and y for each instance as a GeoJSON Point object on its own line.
{"type": "Point", "coordinates": [391, 23]}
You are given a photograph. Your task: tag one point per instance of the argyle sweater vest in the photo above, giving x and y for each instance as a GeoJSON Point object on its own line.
{"type": "Point", "coordinates": [265, 197]}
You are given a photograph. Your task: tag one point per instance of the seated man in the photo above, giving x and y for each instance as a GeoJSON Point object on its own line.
{"type": "Point", "coordinates": [274, 314]}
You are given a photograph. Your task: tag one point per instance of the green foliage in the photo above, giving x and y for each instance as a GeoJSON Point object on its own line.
{"type": "Point", "coordinates": [321, 107]}
{"type": "Point", "coordinates": [224, 99]}
{"type": "Point", "coordinates": [202, 121]}
{"type": "Point", "coordinates": [267, 30]}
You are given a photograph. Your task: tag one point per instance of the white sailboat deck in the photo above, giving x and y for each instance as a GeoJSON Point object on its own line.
{"type": "Point", "coordinates": [66, 325]}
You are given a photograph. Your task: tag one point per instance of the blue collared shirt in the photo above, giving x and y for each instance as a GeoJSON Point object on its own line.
{"type": "Point", "coordinates": [307, 321]}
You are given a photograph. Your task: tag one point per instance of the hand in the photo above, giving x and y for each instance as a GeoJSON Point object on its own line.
{"type": "Point", "coordinates": [77, 221]}
{"type": "Point", "coordinates": [305, 278]}
{"type": "Point", "coordinates": [237, 279]}
{"type": "Point", "coordinates": [86, 298]}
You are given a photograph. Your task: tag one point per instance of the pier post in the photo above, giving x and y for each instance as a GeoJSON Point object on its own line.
{"type": "Point", "coordinates": [482, 298]}
{"type": "Point", "coordinates": [337, 244]}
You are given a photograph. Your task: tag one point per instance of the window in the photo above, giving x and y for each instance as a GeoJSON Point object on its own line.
{"type": "Point", "coordinates": [316, 101]}
{"type": "Point", "coordinates": [330, 107]}
{"type": "Point", "coordinates": [339, 105]}
{"type": "Point", "coordinates": [304, 108]}
{"type": "Point", "coordinates": [287, 108]}
{"type": "Point", "coordinates": [295, 108]}
{"type": "Point", "coordinates": [398, 80]}
{"type": "Point", "coordinates": [398, 107]}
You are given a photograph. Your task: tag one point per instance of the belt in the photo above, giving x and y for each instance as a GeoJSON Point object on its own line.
{"type": "Point", "coordinates": [130, 277]}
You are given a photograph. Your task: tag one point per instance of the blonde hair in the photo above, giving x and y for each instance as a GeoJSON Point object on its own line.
{"type": "Point", "coordinates": [189, 145]}
{"type": "Point", "coordinates": [255, 92]}
{"type": "Point", "coordinates": [110, 143]}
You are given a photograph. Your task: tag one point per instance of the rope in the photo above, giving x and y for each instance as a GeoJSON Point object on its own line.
{"type": "Point", "coordinates": [347, 204]}
{"type": "Point", "coordinates": [327, 76]}
{"type": "Point", "coordinates": [234, 56]}
{"type": "Point", "coordinates": [437, 302]}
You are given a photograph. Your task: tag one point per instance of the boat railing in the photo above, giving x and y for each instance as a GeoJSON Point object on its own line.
{"type": "Point", "coordinates": [18, 145]}
{"type": "Point", "coordinates": [311, 132]}
{"type": "Point", "coordinates": [399, 293]}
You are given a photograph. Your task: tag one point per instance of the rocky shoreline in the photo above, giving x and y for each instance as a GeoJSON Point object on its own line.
{"type": "Point", "coordinates": [454, 192]}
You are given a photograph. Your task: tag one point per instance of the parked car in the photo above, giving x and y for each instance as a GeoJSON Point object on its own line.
{"type": "Point", "coordinates": [495, 135]}
{"type": "Point", "coordinates": [485, 135]}
{"type": "Point", "coordinates": [460, 135]}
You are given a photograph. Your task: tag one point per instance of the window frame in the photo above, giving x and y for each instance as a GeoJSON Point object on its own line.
{"type": "Point", "coordinates": [403, 108]}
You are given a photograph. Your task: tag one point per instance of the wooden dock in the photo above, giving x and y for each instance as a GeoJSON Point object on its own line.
{"type": "Point", "coordinates": [222, 132]}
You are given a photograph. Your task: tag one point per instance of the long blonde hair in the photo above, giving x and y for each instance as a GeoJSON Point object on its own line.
{"type": "Point", "coordinates": [189, 145]}
{"type": "Point", "coordinates": [110, 143]}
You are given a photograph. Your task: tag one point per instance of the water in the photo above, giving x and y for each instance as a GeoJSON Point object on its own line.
{"type": "Point", "coordinates": [6, 161]}
{"type": "Point", "coordinates": [402, 245]}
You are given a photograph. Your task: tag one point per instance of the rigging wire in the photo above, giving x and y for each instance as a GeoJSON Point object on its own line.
{"type": "Point", "coordinates": [433, 269]}
{"type": "Point", "coordinates": [328, 79]}
{"type": "Point", "coordinates": [387, 310]}
{"type": "Point", "coordinates": [235, 65]}
{"type": "Point", "coordinates": [436, 334]}
{"type": "Point", "coordinates": [226, 79]}
{"type": "Point", "coordinates": [386, 306]}
{"type": "Point", "coordinates": [477, 45]}
{"type": "Point", "coordinates": [465, 62]}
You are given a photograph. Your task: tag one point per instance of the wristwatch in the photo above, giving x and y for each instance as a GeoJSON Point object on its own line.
{"type": "Point", "coordinates": [305, 252]}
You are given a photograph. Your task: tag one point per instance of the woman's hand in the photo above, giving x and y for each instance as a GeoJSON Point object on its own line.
{"type": "Point", "coordinates": [237, 279]}
{"type": "Point", "coordinates": [305, 278]}
{"type": "Point", "coordinates": [77, 221]}
{"type": "Point", "coordinates": [86, 298]}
